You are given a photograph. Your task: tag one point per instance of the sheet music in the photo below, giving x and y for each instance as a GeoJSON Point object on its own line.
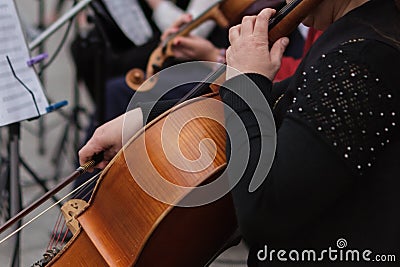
{"type": "Point", "coordinates": [130, 18]}
{"type": "Point", "coordinates": [16, 103]}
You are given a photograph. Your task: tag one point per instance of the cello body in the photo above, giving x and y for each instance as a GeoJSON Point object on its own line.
{"type": "Point", "coordinates": [125, 226]}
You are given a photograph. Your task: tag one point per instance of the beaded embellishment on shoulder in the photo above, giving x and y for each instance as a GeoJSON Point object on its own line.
{"type": "Point", "coordinates": [348, 105]}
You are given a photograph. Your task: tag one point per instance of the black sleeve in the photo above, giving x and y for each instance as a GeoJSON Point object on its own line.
{"type": "Point", "coordinates": [151, 110]}
{"type": "Point", "coordinates": [340, 121]}
{"type": "Point", "coordinates": [268, 212]}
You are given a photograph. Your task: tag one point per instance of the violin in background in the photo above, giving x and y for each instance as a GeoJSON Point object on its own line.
{"type": "Point", "coordinates": [225, 13]}
{"type": "Point", "coordinates": [123, 225]}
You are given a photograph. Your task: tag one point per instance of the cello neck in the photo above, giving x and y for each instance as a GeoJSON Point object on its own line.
{"type": "Point", "coordinates": [282, 24]}
{"type": "Point", "coordinates": [289, 17]}
{"type": "Point", "coordinates": [223, 12]}
{"type": "Point", "coordinates": [212, 12]}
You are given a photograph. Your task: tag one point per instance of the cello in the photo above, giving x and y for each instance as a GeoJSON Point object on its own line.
{"type": "Point", "coordinates": [122, 225]}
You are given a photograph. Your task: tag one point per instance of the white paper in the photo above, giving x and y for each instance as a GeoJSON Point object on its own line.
{"type": "Point", "coordinates": [16, 103]}
{"type": "Point", "coordinates": [130, 18]}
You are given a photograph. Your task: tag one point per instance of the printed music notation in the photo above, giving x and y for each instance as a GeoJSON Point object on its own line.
{"type": "Point", "coordinates": [131, 20]}
{"type": "Point", "coordinates": [16, 102]}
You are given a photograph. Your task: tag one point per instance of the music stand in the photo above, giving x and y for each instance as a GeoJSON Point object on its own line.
{"type": "Point", "coordinates": [99, 44]}
{"type": "Point", "coordinates": [14, 120]}
{"type": "Point", "coordinates": [15, 160]}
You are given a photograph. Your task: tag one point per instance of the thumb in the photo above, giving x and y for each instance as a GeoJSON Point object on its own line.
{"type": "Point", "coordinates": [278, 49]}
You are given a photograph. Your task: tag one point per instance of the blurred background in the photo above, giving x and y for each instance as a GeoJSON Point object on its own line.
{"type": "Point", "coordinates": [48, 146]}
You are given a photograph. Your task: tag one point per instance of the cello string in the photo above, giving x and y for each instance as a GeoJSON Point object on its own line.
{"type": "Point", "coordinates": [59, 236]}
{"type": "Point", "coordinates": [56, 236]}
{"type": "Point", "coordinates": [87, 194]}
{"type": "Point", "coordinates": [65, 236]}
{"type": "Point", "coordinates": [84, 188]}
{"type": "Point", "coordinates": [213, 76]}
{"type": "Point", "coordinates": [53, 235]}
{"type": "Point", "coordinates": [56, 232]}
{"type": "Point", "coordinates": [60, 233]}
{"type": "Point", "coordinates": [80, 195]}
{"type": "Point", "coordinates": [46, 210]}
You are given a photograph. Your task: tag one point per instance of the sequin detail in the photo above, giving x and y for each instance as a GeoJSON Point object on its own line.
{"type": "Point", "coordinates": [348, 105]}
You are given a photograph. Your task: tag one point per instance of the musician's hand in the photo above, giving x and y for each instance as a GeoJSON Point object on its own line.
{"type": "Point", "coordinates": [108, 137]}
{"type": "Point", "coordinates": [249, 51]}
{"type": "Point", "coordinates": [182, 20]}
{"type": "Point", "coordinates": [194, 48]}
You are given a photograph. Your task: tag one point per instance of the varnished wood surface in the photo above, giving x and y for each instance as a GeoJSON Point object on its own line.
{"type": "Point", "coordinates": [234, 9]}
{"type": "Point", "coordinates": [80, 252]}
{"type": "Point", "coordinates": [129, 227]}
{"type": "Point", "coordinates": [292, 20]}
